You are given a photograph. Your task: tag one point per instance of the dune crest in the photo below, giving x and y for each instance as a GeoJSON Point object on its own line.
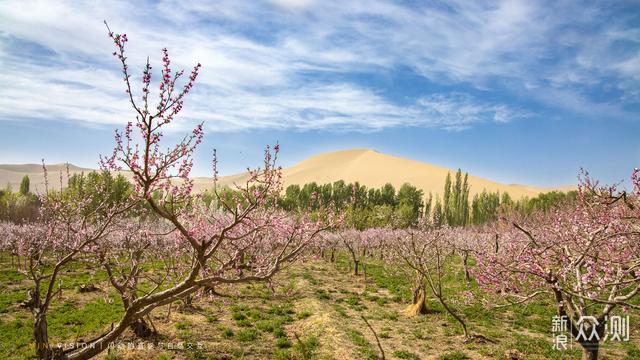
{"type": "Point", "coordinates": [368, 167]}
{"type": "Point", "coordinates": [374, 169]}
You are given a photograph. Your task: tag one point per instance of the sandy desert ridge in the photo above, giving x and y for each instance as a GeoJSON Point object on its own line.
{"type": "Point", "coordinates": [368, 167]}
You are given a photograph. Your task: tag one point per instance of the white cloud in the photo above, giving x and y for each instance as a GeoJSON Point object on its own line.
{"type": "Point", "coordinates": [630, 67]}
{"type": "Point", "coordinates": [458, 111]}
{"type": "Point", "coordinates": [269, 68]}
{"type": "Point", "coordinates": [293, 4]}
{"type": "Point", "coordinates": [345, 107]}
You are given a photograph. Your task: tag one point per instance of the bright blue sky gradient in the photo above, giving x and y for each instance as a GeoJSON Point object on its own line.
{"type": "Point", "coordinates": [524, 92]}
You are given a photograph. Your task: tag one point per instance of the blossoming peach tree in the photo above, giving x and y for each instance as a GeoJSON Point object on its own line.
{"type": "Point", "coordinates": [193, 244]}
{"type": "Point", "coordinates": [67, 229]}
{"type": "Point", "coordinates": [239, 240]}
{"type": "Point", "coordinates": [585, 256]}
{"type": "Point", "coordinates": [428, 250]}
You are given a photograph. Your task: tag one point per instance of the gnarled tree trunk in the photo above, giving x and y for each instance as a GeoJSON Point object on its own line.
{"type": "Point", "coordinates": [590, 348]}
{"type": "Point", "coordinates": [41, 337]}
{"type": "Point", "coordinates": [419, 305]}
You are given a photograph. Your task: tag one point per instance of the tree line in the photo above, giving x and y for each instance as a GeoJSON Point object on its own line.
{"type": "Point", "coordinates": [363, 207]}
{"type": "Point", "coordinates": [385, 206]}
{"type": "Point", "coordinates": [18, 206]}
{"type": "Point", "coordinates": [23, 205]}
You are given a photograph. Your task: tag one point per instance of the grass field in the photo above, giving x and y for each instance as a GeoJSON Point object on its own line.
{"type": "Point", "coordinates": [315, 311]}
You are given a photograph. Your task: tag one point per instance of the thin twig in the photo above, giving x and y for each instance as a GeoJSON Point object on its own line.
{"type": "Point", "coordinates": [381, 357]}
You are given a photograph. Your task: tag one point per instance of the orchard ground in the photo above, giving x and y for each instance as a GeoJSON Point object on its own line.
{"type": "Point", "coordinates": [314, 311]}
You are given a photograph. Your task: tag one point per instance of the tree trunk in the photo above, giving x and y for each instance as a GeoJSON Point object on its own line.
{"type": "Point", "coordinates": [465, 264]}
{"type": "Point", "coordinates": [187, 303]}
{"type": "Point", "coordinates": [41, 337]}
{"type": "Point", "coordinates": [590, 354]}
{"type": "Point", "coordinates": [240, 263]}
{"type": "Point", "coordinates": [364, 272]}
{"type": "Point", "coordinates": [590, 350]}
{"type": "Point", "coordinates": [40, 327]}
{"type": "Point", "coordinates": [139, 327]}
{"type": "Point", "coordinates": [142, 329]}
{"type": "Point", "coordinates": [419, 306]}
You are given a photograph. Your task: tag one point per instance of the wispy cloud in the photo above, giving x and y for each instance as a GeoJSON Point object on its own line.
{"type": "Point", "coordinates": [344, 107]}
{"type": "Point", "coordinates": [459, 111]}
{"type": "Point", "coordinates": [300, 64]}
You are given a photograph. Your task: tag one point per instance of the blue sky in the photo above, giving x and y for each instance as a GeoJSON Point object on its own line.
{"type": "Point", "coordinates": [515, 91]}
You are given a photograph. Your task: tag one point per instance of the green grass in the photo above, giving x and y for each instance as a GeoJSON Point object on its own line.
{"type": "Point", "coordinates": [340, 310]}
{"type": "Point", "coordinates": [283, 343]}
{"type": "Point", "coordinates": [322, 294]}
{"type": "Point", "coordinates": [352, 300]}
{"type": "Point", "coordinates": [112, 355]}
{"type": "Point", "coordinates": [238, 316]}
{"type": "Point", "coordinates": [402, 354]}
{"type": "Point", "coordinates": [226, 332]}
{"type": "Point", "coordinates": [9, 299]}
{"type": "Point", "coordinates": [363, 346]}
{"type": "Point", "coordinates": [244, 323]}
{"type": "Point", "coordinates": [268, 325]}
{"type": "Point", "coordinates": [69, 320]}
{"type": "Point", "coordinates": [307, 276]}
{"type": "Point", "coordinates": [279, 332]}
{"type": "Point", "coordinates": [246, 335]}
{"type": "Point", "coordinates": [183, 325]}
{"type": "Point", "coordinates": [454, 355]}
{"type": "Point", "coordinates": [306, 346]}
{"type": "Point", "coordinates": [304, 349]}
{"type": "Point", "coordinates": [304, 314]}
{"type": "Point", "coordinates": [10, 276]}
{"type": "Point", "coordinates": [16, 338]}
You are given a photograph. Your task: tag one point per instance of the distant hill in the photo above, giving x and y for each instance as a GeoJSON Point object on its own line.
{"type": "Point", "coordinates": [12, 175]}
{"type": "Point", "coordinates": [374, 169]}
{"type": "Point", "coordinates": [366, 166]}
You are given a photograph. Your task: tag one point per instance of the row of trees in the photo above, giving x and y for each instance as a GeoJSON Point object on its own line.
{"type": "Point", "coordinates": [18, 206]}
{"type": "Point", "coordinates": [363, 207]}
{"type": "Point", "coordinates": [486, 206]}
{"type": "Point", "coordinates": [583, 256]}
{"type": "Point", "coordinates": [341, 195]}
{"type": "Point", "coordinates": [367, 208]}
{"type": "Point", "coordinates": [24, 206]}
{"type": "Point", "coordinates": [455, 201]}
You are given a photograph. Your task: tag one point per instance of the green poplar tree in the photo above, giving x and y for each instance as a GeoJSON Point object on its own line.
{"type": "Point", "coordinates": [446, 210]}
{"type": "Point", "coordinates": [24, 185]}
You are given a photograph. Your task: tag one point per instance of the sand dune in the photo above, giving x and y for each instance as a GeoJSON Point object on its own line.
{"type": "Point", "coordinates": [374, 169]}
{"type": "Point", "coordinates": [368, 167]}
{"type": "Point", "coordinates": [11, 175]}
